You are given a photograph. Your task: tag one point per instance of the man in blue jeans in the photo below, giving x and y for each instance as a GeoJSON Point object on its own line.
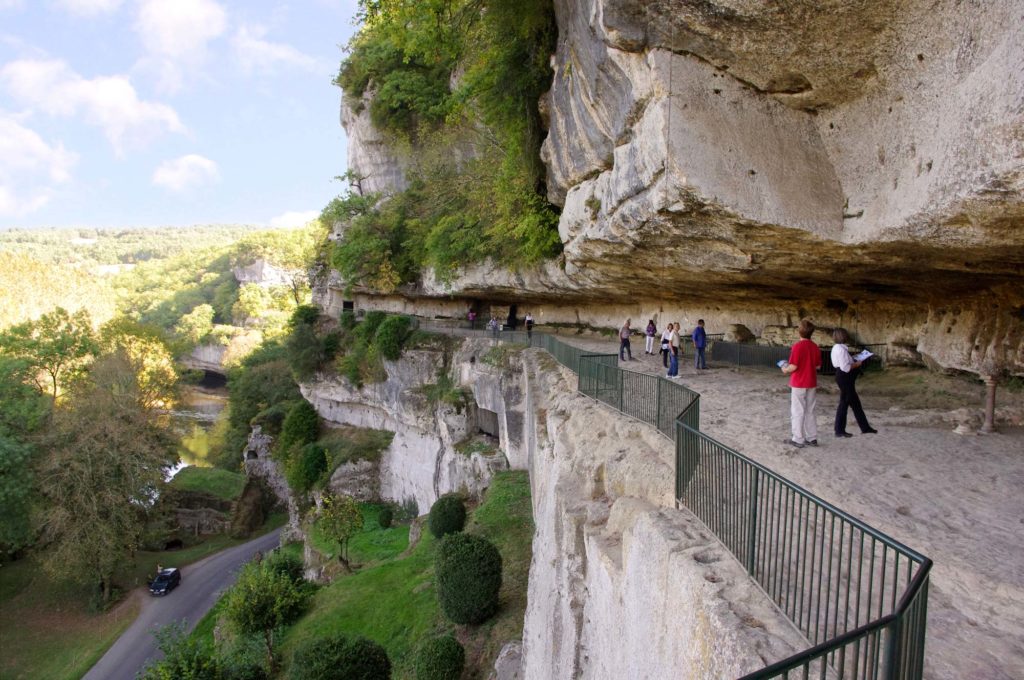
{"type": "Point", "coordinates": [624, 341]}
{"type": "Point", "coordinates": [700, 341]}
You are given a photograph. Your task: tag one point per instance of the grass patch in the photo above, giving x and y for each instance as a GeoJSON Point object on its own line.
{"type": "Point", "coordinates": [478, 444]}
{"type": "Point", "coordinates": [393, 603]}
{"type": "Point", "coordinates": [500, 356]}
{"type": "Point", "coordinates": [445, 390]}
{"type": "Point", "coordinates": [369, 546]}
{"type": "Point", "coordinates": [506, 519]}
{"type": "Point", "coordinates": [350, 444]}
{"type": "Point", "coordinates": [214, 481]}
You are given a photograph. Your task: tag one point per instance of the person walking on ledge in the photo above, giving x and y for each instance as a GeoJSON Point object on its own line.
{"type": "Point", "coordinates": [802, 369]}
{"type": "Point", "coordinates": [624, 341]}
{"type": "Point", "coordinates": [847, 371]}
{"type": "Point", "coordinates": [651, 331]}
{"type": "Point", "coordinates": [700, 341]}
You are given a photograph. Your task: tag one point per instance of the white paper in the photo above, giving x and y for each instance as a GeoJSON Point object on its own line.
{"type": "Point", "coordinates": [864, 356]}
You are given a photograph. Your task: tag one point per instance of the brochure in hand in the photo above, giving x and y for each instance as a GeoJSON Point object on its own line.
{"type": "Point", "coordinates": [781, 363]}
{"type": "Point", "coordinates": [863, 356]}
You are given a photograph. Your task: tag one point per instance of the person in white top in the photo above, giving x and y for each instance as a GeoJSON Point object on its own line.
{"type": "Point", "coordinates": [665, 348]}
{"type": "Point", "coordinates": [673, 348]}
{"type": "Point", "coordinates": [846, 376]}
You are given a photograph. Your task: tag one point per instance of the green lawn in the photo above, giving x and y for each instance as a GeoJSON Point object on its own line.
{"type": "Point", "coordinates": [372, 544]}
{"type": "Point", "coordinates": [214, 481]}
{"type": "Point", "coordinates": [46, 629]}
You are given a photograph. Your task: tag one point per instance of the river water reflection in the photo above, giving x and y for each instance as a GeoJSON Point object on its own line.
{"type": "Point", "coordinates": [198, 412]}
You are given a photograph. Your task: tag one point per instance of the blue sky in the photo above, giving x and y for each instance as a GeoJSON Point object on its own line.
{"type": "Point", "coordinates": [118, 113]}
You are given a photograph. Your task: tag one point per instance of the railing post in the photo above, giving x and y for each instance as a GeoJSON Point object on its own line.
{"type": "Point", "coordinates": [621, 396]}
{"type": "Point", "coordinates": [892, 651]}
{"type": "Point", "coordinates": [658, 402]}
{"type": "Point", "coordinates": [752, 537]}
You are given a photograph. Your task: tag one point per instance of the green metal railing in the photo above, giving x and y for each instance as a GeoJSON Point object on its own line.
{"type": "Point", "coordinates": [767, 356]}
{"type": "Point", "coordinates": [859, 596]}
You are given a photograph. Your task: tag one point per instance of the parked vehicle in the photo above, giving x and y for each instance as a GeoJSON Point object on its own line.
{"type": "Point", "coordinates": [166, 581]}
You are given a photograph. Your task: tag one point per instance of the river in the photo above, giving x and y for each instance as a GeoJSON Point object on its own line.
{"type": "Point", "coordinates": [198, 412]}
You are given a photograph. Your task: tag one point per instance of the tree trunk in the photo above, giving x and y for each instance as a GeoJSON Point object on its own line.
{"type": "Point", "coordinates": [268, 638]}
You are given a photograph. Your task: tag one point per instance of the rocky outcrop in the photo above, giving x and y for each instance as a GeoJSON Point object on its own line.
{"type": "Point", "coordinates": [621, 584]}
{"type": "Point", "coordinates": [858, 162]}
{"type": "Point", "coordinates": [422, 462]}
{"type": "Point", "coordinates": [260, 465]}
{"type": "Point", "coordinates": [371, 157]}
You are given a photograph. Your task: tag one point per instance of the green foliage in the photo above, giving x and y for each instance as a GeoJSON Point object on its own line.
{"type": "Point", "coordinates": [340, 519]}
{"type": "Point", "coordinates": [287, 563]}
{"type": "Point", "coordinates": [23, 407]}
{"type": "Point", "coordinates": [306, 467]}
{"type": "Point", "coordinates": [58, 344]}
{"type": "Point", "coordinates": [262, 601]}
{"type": "Point", "coordinates": [468, 570]}
{"type": "Point", "coordinates": [351, 444]}
{"type": "Point", "coordinates": [440, 659]}
{"type": "Point", "coordinates": [16, 494]}
{"type": "Point", "coordinates": [445, 390]}
{"type": "Point", "coordinates": [385, 517]}
{"type": "Point", "coordinates": [458, 209]}
{"type": "Point", "coordinates": [391, 335]}
{"type": "Point", "coordinates": [263, 381]}
{"type": "Point", "coordinates": [339, 656]}
{"type": "Point", "coordinates": [447, 515]}
{"type": "Point", "coordinates": [301, 426]}
{"type": "Point", "coordinates": [194, 327]}
{"type": "Point", "coordinates": [501, 355]}
{"type": "Point", "coordinates": [304, 314]}
{"type": "Point", "coordinates": [184, 657]}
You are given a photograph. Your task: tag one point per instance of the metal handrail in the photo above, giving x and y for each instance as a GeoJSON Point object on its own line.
{"type": "Point", "coordinates": [772, 526]}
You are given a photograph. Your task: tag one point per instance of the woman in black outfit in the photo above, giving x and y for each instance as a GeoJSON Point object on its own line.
{"type": "Point", "coordinates": [847, 371]}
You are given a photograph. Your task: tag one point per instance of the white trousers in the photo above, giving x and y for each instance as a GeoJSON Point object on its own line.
{"type": "Point", "coordinates": [649, 347]}
{"type": "Point", "coordinates": [801, 414]}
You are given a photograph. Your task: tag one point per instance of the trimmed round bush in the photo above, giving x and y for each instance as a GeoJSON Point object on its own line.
{"type": "Point", "coordinates": [300, 427]}
{"type": "Point", "coordinates": [385, 517]}
{"type": "Point", "coordinates": [468, 570]}
{"type": "Point", "coordinates": [447, 515]}
{"type": "Point", "coordinates": [337, 657]}
{"type": "Point", "coordinates": [306, 467]}
{"type": "Point", "coordinates": [391, 335]}
{"type": "Point", "coordinates": [440, 659]}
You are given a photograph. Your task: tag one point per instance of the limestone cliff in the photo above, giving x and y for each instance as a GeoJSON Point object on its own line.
{"type": "Point", "coordinates": [860, 162]}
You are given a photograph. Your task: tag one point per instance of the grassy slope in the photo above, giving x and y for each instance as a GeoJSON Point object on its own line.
{"type": "Point", "coordinates": [46, 630]}
{"type": "Point", "coordinates": [394, 601]}
{"type": "Point", "coordinates": [214, 481]}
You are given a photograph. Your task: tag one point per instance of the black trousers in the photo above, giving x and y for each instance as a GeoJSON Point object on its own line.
{"type": "Point", "coordinates": [664, 358]}
{"type": "Point", "coordinates": [848, 399]}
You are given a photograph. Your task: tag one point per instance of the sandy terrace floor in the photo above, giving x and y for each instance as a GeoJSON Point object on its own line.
{"type": "Point", "coordinates": [959, 499]}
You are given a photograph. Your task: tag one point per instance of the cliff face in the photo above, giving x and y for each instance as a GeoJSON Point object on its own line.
{"type": "Point", "coordinates": [861, 162]}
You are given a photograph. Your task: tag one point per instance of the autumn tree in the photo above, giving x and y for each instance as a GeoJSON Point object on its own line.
{"type": "Point", "coordinates": [341, 518]}
{"type": "Point", "coordinates": [106, 455]}
{"type": "Point", "coordinates": [145, 350]}
{"type": "Point", "coordinates": [57, 345]}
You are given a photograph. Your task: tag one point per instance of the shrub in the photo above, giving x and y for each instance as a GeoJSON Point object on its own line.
{"type": "Point", "coordinates": [272, 418]}
{"type": "Point", "coordinates": [289, 564]}
{"type": "Point", "coordinates": [468, 569]}
{"type": "Point", "coordinates": [338, 656]}
{"type": "Point", "coordinates": [306, 467]}
{"type": "Point", "coordinates": [385, 517]}
{"type": "Point", "coordinates": [304, 314]}
{"type": "Point", "coordinates": [447, 515]}
{"type": "Point", "coordinates": [371, 322]}
{"type": "Point", "coordinates": [391, 335]}
{"type": "Point", "coordinates": [301, 426]}
{"type": "Point", "coordinates": [440, 659]}
{"type": "Point", "coordinates": [348, 320]}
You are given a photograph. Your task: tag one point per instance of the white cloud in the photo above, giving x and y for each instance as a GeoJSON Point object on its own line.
{"type": "Point", "coordinates": [29, 168]}
{"type": "Point", "coordinates": [175, 35]}
{"type": "Point", "coordinates": [256, 54]}
{"type": "Point", "coordinates": [187, 172]}
{"type": "Point", "coordinates": [294, 218]}
{"type": "Point", "coordinates": [50, 86]}
{"type": "Point", "coordinates": [89, 7]}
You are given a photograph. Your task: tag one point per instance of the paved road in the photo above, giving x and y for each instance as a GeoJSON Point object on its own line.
{"type": "Point", "coordinates": [201, 585]}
